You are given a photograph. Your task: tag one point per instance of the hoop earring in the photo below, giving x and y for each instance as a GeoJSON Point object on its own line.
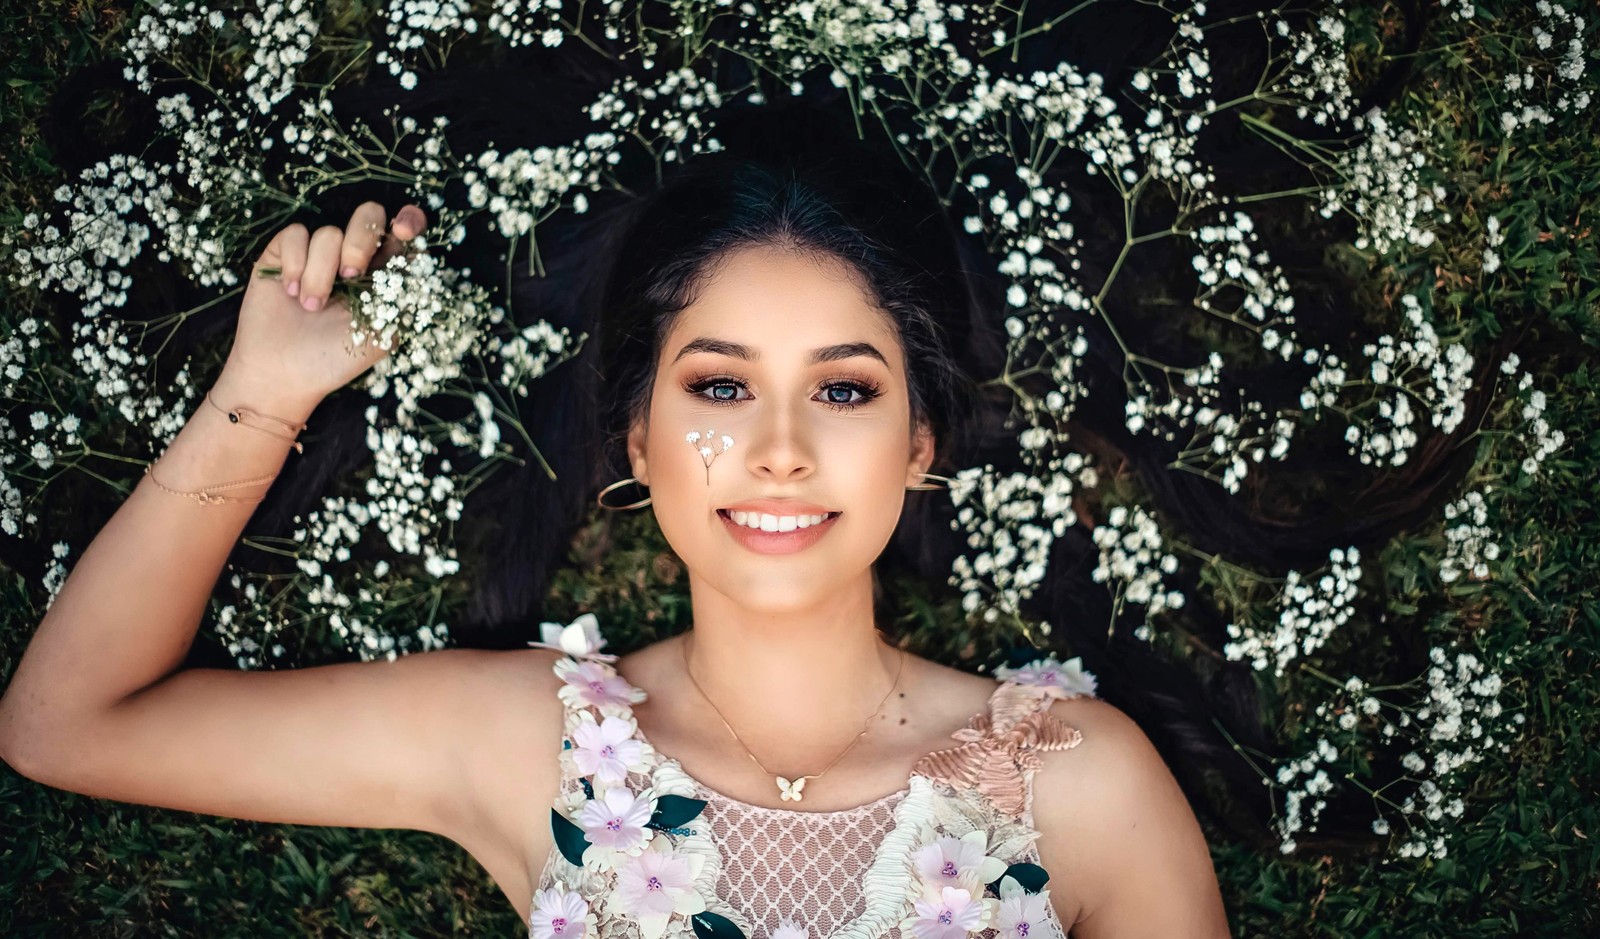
{"type": "Point", "coordinates": [924, 487]}
{"type": "Point", "coordinates": [601, 497]}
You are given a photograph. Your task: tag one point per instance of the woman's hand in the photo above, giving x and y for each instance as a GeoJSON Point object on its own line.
{"type": "Point", "coordinates": [293, 344]}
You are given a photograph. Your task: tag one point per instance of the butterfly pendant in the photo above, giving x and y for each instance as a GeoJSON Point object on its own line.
{"type": "Point", "coordinates": [791, 790]}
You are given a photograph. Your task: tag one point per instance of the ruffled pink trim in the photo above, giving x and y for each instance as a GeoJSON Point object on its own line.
{"type": "Point", "coordinates": [999, 750]}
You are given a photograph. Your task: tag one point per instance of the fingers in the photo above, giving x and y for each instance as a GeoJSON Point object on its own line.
{"type": "Point", "coordinates": [310, 262]}
{"type": "Point", "coordinates": [361, 238]}
{"type": "Point", "coordinates": [322, 263]}
{"type": "Point", "coordinates": [408, 223]}
{"type": "Point", "coordinates": [287, 252]}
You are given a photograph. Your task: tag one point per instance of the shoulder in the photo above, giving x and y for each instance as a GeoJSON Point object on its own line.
{"type": "Point", "coordinates": [1118, 835]}
{"type": "Point", "coordinates": [510, 768]}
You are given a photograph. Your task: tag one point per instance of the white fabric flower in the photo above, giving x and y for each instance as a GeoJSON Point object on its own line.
{"type": "Point", "coordinates": [1063, 679]}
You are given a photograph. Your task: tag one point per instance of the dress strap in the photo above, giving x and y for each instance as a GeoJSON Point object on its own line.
{"type": "Point", "coordinates": [999, 750]}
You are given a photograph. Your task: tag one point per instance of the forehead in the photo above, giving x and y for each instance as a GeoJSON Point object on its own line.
{"type": "Point", "coordinates": [784, 304]}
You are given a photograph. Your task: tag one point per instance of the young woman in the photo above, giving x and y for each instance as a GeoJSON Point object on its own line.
{"type": "Point", "coordinates": [770, 365]}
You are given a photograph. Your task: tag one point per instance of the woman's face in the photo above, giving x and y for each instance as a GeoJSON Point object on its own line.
{"type": "Point", "coordinates": [786, 355]}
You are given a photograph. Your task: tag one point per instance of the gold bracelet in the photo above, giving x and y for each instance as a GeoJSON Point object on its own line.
{"type": "Point", "coordinates": [207, 495]}
{"type": "Point", "coordinates": [204, 496]}
{"type": "Point", "coordinates": [234, 415]}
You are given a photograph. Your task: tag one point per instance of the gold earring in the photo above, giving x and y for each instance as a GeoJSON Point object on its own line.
{"type": "Point", "coordinates": [600, 499]}
{"type": "Point", "coordinates": [924, 487]}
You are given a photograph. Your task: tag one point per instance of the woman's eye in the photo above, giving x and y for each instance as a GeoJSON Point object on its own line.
{"type": "Point", "coordinates": [837, 395]}
{"type": "Point", "coordinates": [840, 394]}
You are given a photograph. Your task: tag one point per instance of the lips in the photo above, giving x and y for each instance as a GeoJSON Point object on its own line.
{"type": "Point", "coordinates": [778, 542]}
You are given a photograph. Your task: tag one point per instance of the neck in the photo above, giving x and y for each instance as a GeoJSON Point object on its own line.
{"type": "Point", "coordinates": [799, 685]}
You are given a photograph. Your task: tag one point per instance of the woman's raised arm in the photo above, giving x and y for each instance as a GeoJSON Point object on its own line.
{"type": "Point", "coordinates": [99, 704]}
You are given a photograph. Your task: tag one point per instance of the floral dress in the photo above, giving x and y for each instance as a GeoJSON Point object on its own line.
{"type": "Point", "coordinates": [642, 850]}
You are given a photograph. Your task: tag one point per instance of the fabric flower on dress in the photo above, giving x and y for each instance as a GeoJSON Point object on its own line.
{"type": "Point", "coordinates": [1063, 679]}
{"type": "Point", "coordinates": [596, 685]}
{"type": "Point", "coordinates": [948, 913]}
{"type": "Point", "coordinates": [560, 914]}
{"type": "Point", "coordinates": [605, 749]}
{"type": "Point", "coordinates": [958, 862]}
{"type": "Point", "coordinates": [656, 883]}
{"type": "Point", "coordinates": [789, 928]}
{"type": "Point", "coordinates": [1020, 913]}
{"type": "Point", "coordinates": [999, 750]}
{"type": "Point", "coordinates": [580, 638]}
{"type": "Point", "coordinates": [614, 822]}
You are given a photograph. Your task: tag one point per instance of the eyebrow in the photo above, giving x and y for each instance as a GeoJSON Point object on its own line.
{"type": "Point", "coordinates": [843, 350]}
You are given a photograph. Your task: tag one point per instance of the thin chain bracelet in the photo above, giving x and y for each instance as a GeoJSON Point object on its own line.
{"type": "Point", "coordinates": [204, 496]}
{"type": "Point", "coordinates": [234, 414]}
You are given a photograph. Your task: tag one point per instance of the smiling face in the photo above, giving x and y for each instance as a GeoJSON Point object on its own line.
{"type": "Point", "coordinates": [784, 353]}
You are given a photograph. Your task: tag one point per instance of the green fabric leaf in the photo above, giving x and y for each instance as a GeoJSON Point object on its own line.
{"type": "Point", "coordinates": [1032, 877]}
{"type": "Point", "coordinates": [708, 925]}
{"type": "Point", "coordinates": [673, 811]}
{"type": "Point", "coordinates": [570, 839]}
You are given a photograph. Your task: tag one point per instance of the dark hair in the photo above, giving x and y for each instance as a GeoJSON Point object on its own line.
{"type": "Point", "coordinates": [896, 247]}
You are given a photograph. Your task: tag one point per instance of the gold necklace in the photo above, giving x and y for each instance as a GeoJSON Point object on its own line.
{"type": "Point", "coordinates": [787, 789]}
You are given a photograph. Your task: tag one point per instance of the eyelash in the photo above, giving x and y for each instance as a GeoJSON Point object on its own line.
{"type": "Point", "coordinates": [867, 389]}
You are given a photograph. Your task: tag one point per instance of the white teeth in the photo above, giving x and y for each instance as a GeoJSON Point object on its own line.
{"type": "Point", "coordinates": [763, 522]}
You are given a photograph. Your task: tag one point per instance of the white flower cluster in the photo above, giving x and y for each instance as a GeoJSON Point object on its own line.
{"type": "Point", "coordinates": [664, 116]}
{"type": "Point", "coordinates": [1229, 258]}
{"type": "Point", "coordinates": [865, 38]}
{"type": "Point", "coordinates": [13, 354]}
{"type": "Point", "coordinates": [280, 41]}
{"type": "Point", "coordinates": [1130, 555]}
{"type": "Point", "coordinates": [1011, 521]}
{"type": "Point", "coordinates": [1469, 544]}
{"type": "Point", "coordinates": [1543, 438]}
{"type": "Point", "coordinates": [527, 355]}
{"type": "Point", "coordinates": [524, 187]}
{"type": "Point", "coordinates": [1493, 238]}
{"type": "Point", "coordinates": [1174, 95]}
{"type": "Point", "coordinates": [1320, 83]}
{"type": "Point", "coordinates": [56, 574]}
{"type": "Point", "coordinates": [1462, 696]}
{"type": "Point", "coordinates": [223, 168]}
{"type": "Point", "coordinates": [1415, 367]}
{"type": "Point", "coordinates": [1308, 613]}
{"type": "Point", "coordinates": [158, 35]}
{"type": "Point", "coordinates": [1222, 440]}
{"type": "Point", "coordinates": [1383, 186]}
{"type": "Point", "coordinates": [103, 350]}
{"type": "Point", "coordinates": [102, 236]}
{"type": "Point", "coordinates": [1461, 707]}
{"type": "Point", "coordinates": [522, 23]}
{"type": "Point", "coordinates": [408, 24]}
{"type": "Point", "coordinates": [1554, 23]}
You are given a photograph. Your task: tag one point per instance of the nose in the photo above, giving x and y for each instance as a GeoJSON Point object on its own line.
{"type": "Point", "coordinates": [780, 448]}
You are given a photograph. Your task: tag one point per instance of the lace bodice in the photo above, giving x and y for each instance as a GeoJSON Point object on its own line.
{"type": "Point", "coordinates": [645, 851]}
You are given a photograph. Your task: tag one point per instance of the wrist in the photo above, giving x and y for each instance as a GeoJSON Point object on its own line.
{"type": "Point", "coordinates": [236, 389]}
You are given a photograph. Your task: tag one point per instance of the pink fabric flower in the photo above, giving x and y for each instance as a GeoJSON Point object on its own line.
{"type": "Point", "coordinates": [1021, 915]}
{"type": "Point", "coordinates": [951, 913]}
{"type": "Point", "coordinates": [959, 862]}
{"type": "Point", "coordinates": [594, 684]}
{"type": "Point", "coordinates": [616, 819]}
{"type": "Point", "coordinates": [656, 883]}
{"type": "Point", "coordinates": [559, 914]}
{"type": "Point", "coordinates": [605, 749]}
{"type": "Point", "coordinates": [1064, 679]}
